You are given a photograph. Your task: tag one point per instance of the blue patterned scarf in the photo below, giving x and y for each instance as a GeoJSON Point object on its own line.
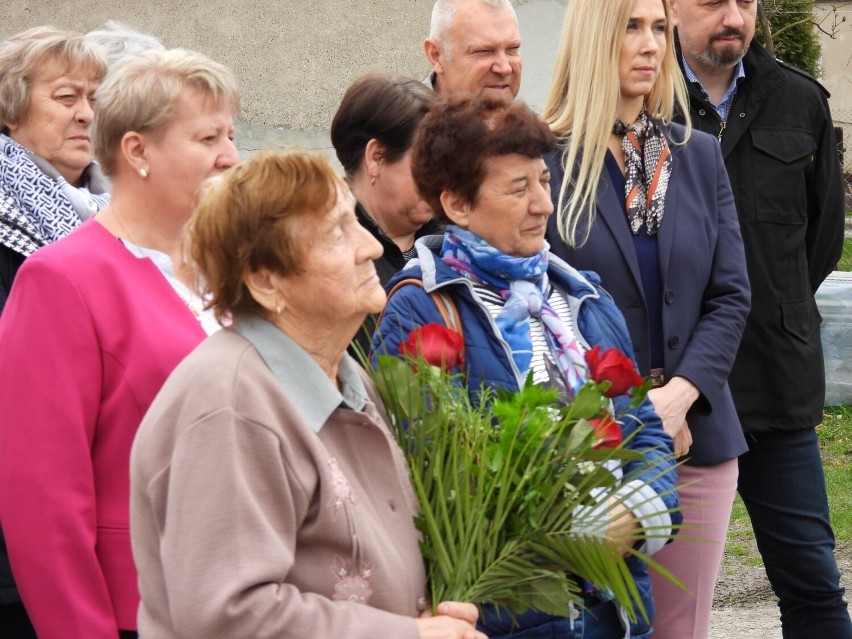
{"type": "Point", "coordinates": [523, 283]}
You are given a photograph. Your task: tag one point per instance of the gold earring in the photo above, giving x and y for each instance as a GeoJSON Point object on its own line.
{"type": "Point", "coordinates": [372, 180]}
{"type": "Point", "coordinates": [143, 173]}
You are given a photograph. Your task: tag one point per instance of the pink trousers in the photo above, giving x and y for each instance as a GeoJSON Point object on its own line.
{"type": "Point", "coordinates": [707, 496]}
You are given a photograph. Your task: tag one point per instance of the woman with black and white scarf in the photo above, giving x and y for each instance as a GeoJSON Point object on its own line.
{"type": "Point", "coordinates": [48, 178]}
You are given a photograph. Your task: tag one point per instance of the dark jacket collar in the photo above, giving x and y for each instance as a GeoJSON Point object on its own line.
{"type": "Point", "coordinates": [431, 227]}
{"type": "Point", "coordinates": [763, 76]}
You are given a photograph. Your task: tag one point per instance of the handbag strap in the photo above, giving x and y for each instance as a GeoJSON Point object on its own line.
{"type": "Point", "coordinates": [446, 306]}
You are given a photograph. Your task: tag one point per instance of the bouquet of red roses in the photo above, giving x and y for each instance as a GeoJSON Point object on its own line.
{"type": "Point", "coordinates": [513, 489]}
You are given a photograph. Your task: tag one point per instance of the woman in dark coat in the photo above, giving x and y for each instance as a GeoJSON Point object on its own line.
{"type": "Point", "coordinates": [372, 133]}
{"type": "Point", "coordinates": [647, 204]}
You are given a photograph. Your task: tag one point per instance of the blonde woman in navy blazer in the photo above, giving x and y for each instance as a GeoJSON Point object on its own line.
{"type": "Point", "coordinates": [671, 257]}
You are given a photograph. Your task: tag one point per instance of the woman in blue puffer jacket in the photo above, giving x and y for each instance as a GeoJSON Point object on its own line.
{"type": "Point", "coordinates": [478, 162]}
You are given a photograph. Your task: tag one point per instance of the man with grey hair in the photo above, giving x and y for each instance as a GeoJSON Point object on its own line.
{"type": "Point", "coordinates": [475, 46]}
{"type": "Point", "coordinates": [117, 40]}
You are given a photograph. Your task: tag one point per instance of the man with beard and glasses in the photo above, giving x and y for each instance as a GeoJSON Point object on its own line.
{"type": "Point", "coordinates": [774, 125]}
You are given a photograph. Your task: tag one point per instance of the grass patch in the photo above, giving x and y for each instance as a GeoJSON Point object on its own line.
{"type": "Point", "coordinates": [836, 447]}
{"type": "Point", "coordinates": [835, 435]}
{"type": "Point", "coordinates": [845, 263]}
{"type": "Point", "coordinates": [738, 549]}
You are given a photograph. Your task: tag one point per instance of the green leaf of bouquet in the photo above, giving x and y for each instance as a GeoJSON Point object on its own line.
{"type": "Point", "coordinates": [400, 388]}
{"type": "Point", "coordinates": [495, 457]}
{"type": "Point", "coordinates": [599, 564]}
{"type": "Point", "coordinates": [420, 524]}
{"type": "Point", "coordinates": [499, 483]}
{"type": "Point", "coordinates": [638, 393]}
{"type": "Point", "coordinates": [587, 403]}
{"type": "Point", "coordinates": [427, 552]}
{"type": "Point", "coordinates": [550, 595]}
{"type": "Point", "coordinates": [580, 435]}
{"type": "Point", "coordinates": [546, 591]}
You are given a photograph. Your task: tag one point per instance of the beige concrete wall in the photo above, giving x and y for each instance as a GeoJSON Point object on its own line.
{"type": "Point", "coordinates": [293, 58]}
{"type": "Point", "coordinates": [837, 56]}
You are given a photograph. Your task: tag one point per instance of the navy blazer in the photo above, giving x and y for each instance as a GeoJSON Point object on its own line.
{"type": "Point", "coordinates": [706, 294]}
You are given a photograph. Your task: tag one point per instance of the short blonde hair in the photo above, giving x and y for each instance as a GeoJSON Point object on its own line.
{"type": "Point", "coordinates": [584, 96]}
{"type": "Point", "coordinates": [140, 94]}
{"type": "Point", "coordinates": [24, 56]}
{"type": "Point", "coordinates": [250, 218]}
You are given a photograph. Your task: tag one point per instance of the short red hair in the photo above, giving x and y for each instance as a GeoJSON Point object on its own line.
{"type": "Point", "coordinates": [456, 137]}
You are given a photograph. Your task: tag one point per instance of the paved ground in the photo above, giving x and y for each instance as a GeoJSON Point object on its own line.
{"type": "Point", "coordinates": [747, 621]}
{"type": "Point", "coordinates": [745, 607]}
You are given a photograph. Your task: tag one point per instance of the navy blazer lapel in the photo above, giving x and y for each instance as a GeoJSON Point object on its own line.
{"type": "Point", "coordinates": [665, 234]}
{"type": "Point", "coordinates": [611, 211]}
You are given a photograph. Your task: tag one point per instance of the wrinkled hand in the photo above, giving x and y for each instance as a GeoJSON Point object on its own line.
{"type": "Point", "coordinates": [671, 402]}
{"type": "Point", "coordinates": [621, 526]}
{"type": "Point", "coordinates": [682, 441]}
{"type": "Point", "coordinates": [455, 620]}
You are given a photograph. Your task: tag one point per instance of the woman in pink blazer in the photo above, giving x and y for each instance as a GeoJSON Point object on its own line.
{"type": "Point", "coordinates": [93, 326]}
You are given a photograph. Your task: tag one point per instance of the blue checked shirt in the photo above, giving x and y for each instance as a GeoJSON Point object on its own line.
{"type": "Point", "coordinates": [725, 105]}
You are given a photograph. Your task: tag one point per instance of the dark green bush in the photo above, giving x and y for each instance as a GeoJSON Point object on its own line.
{"type": "Point", "coordinates": [794, 33]}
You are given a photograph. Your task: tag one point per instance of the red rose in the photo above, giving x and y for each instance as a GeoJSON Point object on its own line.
{"type": "Point", "coordinates": [437, 344]}
{"type": "Point", "coordinates": [608, 432]}
{"type": "Point", "coordinates": [615, 367]}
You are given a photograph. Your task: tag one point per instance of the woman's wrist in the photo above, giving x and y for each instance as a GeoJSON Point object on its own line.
{"type": "Point", "coordinates": [685, 389]}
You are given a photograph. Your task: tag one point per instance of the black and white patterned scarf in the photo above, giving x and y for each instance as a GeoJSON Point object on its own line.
{"type": "Point", "coordinates": [37, 205]}
{"type": "Point", "coordinates": [648, 164]}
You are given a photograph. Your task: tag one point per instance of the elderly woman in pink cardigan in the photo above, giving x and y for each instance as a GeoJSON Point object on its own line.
{"type": "Point", "coordinates": [269, 497]}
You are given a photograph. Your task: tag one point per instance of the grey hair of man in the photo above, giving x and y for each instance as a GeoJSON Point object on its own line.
{"type": "Point", "coordinates": [117, 40]}
{"type": "Point", "coordinates": [443, 12]}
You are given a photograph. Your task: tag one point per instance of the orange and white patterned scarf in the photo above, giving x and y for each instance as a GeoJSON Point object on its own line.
{"type": "Point", "coordinates": [648, 164]}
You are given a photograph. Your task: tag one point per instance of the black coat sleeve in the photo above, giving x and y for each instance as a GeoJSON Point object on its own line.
{"type": "Point", "coordinates": [10, 262]}
{"type": "Point", "coordinates": [824, 237]}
